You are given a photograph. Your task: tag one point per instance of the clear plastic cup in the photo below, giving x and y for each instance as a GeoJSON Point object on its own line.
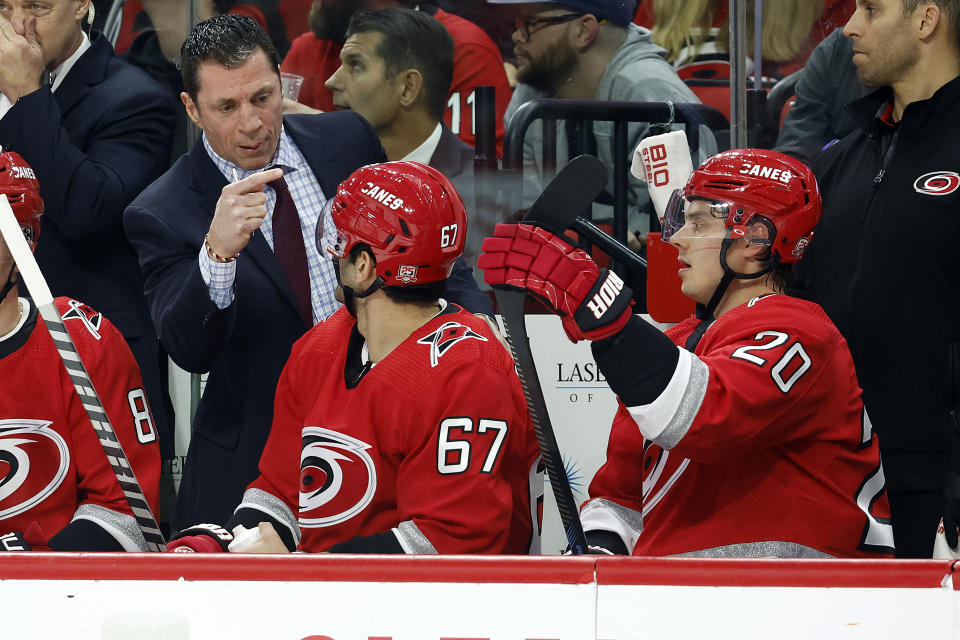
{"type": "Point", "coordinates": [291, 83]}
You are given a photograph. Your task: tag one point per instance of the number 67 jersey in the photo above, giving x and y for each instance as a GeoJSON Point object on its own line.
{"type": "Point", "coordinates": [756, 448]}
{"type": "Point", "coordinates": [431, 450]}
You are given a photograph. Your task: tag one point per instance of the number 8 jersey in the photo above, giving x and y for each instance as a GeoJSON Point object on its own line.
{"type": "Point", "coordinates": [756, 448]}
{"type": "Point", "coordinates": [429, 451]}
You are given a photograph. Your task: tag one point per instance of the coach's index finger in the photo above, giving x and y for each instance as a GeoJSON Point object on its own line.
{"type": "Point", "coordinates": [254, 182]}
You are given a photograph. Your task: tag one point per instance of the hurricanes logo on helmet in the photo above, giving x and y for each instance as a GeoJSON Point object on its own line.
{"type": "Point", "coordinates": [23, 172]}
{"type": "Point", "coordinates": [937, 183]}
{"type": "Point", "coordinates": [449, 334]}
{"type": "Point", "coordinates": [337, 477]}
{"type": "Point", "coordinates": [34, 460]}
{"type": "Point", "coordinates": [382, 196]}
{"type": "Point", "coordinates": [750, 169]}
{"type": "Point", "coordinates": [802, 245]}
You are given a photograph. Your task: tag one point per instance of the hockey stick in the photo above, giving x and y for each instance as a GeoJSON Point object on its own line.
{"type": "Point", "coordinates": [33, 279]}
{"type": "Point", "coordinates": [568, 194]}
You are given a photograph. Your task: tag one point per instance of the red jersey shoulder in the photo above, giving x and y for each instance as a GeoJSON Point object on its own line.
{"type": "Point", "coordinates": [456, 339]}
{"type": "Point", "coordinates": [798, 318]}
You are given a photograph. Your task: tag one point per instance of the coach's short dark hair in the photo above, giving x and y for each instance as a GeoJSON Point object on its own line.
{"type": "Point", "coordinates": [229, 40]}
{"type": "Point", "coordinates": [412, 40]}
{"type": "Point", "coordinates": [949, 8]}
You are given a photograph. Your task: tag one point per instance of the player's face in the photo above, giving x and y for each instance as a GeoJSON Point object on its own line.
{"type": "Point", "coordinates": [699, 245]}
{"type": "Point", "coordinates": [547, 58]}
{"type": "Point", "coordinates": [57, 24]}
{"type": "Point", "coordinates": [884, 50]}
{"type": "Point", "coordinates": [240, 110]}
{"type": "Point", "coordinates": [361, 82]}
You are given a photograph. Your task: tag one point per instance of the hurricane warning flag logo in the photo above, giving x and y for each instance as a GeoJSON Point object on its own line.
{"type": "Point", "coordinates": [937, 183]}
{"type": "Point", "coordinates": [449, 334]}
{"type": "Point", "coordinates": [34, 460]}
{"type": "Point", "coordinates": [337, 477]}
{"type": "Point", "coordinates": [84, 313]}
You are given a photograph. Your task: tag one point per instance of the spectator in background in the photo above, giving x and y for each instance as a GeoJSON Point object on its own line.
{"type": "Point", "coordinates": [695, 29]}
{"type": "Point", "coordinates": [476, 62]}
{"type": "Point", "coordinates": [96, 132]}
{"type": "Point", "coordinates": [588, 50]}
{"type": "Point", "coordinates": [396, 71]}
{"type": "Point", "coordinates": [827, 83]}
{"type": "Point", "coordinates": [887, 244]}
{"type": "Point", "coordinates": [233, 273]}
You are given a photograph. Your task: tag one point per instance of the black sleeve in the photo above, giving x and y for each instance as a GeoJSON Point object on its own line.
{"type": "Point", "coordinates": [607, 540]}
{"type": "Point", "coordinates": [84, 535]}
{"type": "Point", "coordinates": [638, 362]}
{"type": "Point", "coordinates": [377, 543]}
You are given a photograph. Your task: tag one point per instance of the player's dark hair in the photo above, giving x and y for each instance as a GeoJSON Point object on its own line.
{"type": "Point", "coordinates": [781, 274]}
{"type": "Point", "coordinates": [412, 40]}
{"type": "Point", "coordinates": [228, 40]}
{"type": "Point", "coordinates": [412, 294]}
{"type": "Point", "coordinates": [950, 9]}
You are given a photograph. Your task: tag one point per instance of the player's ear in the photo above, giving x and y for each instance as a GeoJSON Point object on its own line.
{"type": "Point", "coordinates": [366, 266]}
{"type": "Point", "coordinates": [411, 86]}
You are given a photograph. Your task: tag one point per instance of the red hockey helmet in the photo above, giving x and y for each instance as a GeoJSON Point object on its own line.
{"type": "Point", "coordinates": [19, 183]}
{"type": "Point", "coordinates": [751, 186]}
{"type": "Point", "coordinates": [408, 213]}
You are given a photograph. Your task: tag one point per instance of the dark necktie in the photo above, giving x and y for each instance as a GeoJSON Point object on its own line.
{"type": "Point", "coordinates": [289, 249]}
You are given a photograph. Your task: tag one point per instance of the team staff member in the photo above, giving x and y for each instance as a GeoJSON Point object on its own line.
{"type": "Point", "coordinates": [223, 299]}
{"type": "Point", "coordinates": [380, 441]}
{"type": "Point", "coordinates": [58, 489]}
{"type": "Point", "coordinates": [888, 244]}
{"type": "Point", "coordinates": [477, 61]}
{"type": "Point", "coordinates": [739, 432]}
{"type": "Point", "coordinates": [96, 133]}
{"type": "Point", "coordinates": [396, 71]}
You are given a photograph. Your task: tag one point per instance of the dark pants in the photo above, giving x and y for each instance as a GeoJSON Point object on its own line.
{"type": "Point", "coordinates": [916, 515]}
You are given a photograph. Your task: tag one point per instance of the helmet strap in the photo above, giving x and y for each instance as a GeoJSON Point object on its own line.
{"type": "Point", "coordinates": [9, 284]}
{"type": "Point", "coordinates": [349, 295]}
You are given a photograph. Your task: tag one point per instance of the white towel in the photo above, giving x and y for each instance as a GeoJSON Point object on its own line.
{"type": "Point", "coordinates": [663, 162]}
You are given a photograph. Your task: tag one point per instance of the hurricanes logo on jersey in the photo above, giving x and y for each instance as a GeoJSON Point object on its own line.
{"type": "Point", "coordinates": [34, 460]}
{"type": "Point", "coordinates": [337, 477]}
{"type": "Point", "coordinates": [937, 183]}
{"type": "Point", "coordinates": [449, 334]}
{"type": "Point", "coordinates": [85, 314]}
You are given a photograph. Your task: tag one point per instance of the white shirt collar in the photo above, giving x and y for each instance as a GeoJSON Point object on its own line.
{"type": "Point", "coordinates": [64, 68]}
{"type": "Point", "coordinates": [424, 152]}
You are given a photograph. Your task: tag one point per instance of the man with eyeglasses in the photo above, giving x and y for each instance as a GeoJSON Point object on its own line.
{"type": "Point", "coordinates": [589, 50]}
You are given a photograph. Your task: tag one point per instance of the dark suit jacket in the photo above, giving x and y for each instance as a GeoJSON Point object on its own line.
{"type": "Point", "coordinates": [95, 144]}
{"type": "Point", "coordinates": [244, 346]}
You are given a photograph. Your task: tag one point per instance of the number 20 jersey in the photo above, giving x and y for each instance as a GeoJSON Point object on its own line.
{"type": "Point", "coordinates": [757, 447]}
{"type": "Point", "coordinates": [433, 443]}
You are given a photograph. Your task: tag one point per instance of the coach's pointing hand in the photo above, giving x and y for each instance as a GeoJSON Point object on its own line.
{"type": "Point", "coordinates": [240, 211]}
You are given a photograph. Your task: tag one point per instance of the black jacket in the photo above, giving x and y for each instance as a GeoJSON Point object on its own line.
{"type": "Point", "coordinates": [883, 266]}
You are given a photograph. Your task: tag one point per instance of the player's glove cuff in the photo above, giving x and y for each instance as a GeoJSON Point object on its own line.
{"type": "Point", "coordinates": [30, 539]}
{"type": "Point", "coordinates": [201, 538]}
{"type": "Point", "coordinates": [604, 311]}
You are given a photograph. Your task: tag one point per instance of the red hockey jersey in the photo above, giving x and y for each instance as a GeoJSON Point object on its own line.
{"type": "Point", "coordinates": [52, 467]}
{"type": "Point", "coordinates": [757, 447]}
{"type": "Point", "coordinates": [433, 443]}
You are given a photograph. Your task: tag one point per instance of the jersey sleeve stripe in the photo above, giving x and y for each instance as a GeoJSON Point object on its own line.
{"type": "Point", "coordinates": [766, 549]}
{"type": "Point", "coordinates": [412, 539]}
{"type": "Point", "coordinates": [274, 507]}
{"type": "Point", "coordinates": [605, 515]}
{"type": "Point", "coordinates": [121, 527]}
{"type": "Point", "coordinates": [668, 418]}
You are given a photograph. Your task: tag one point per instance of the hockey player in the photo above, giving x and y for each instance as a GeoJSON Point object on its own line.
{"type": "Point", "coordinates": [57, 489]}
{"type": "Point", "coordinates": [400, 425]}
{"type": "Point", "coordinates": [739, 433]}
